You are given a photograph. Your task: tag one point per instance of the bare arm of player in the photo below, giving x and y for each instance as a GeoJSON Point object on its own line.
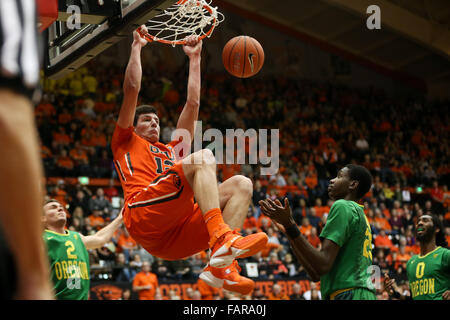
{"type": "Point", "coordinates": [102, 236]}
{"type": "Point", "coordinates": [318, 262]}
{"type": "Point", "coordinates": [189, 114]}
{"type": "Point", "coordinates": [132, 82]}
{"type": "Point", "coordinates": [306, 265]}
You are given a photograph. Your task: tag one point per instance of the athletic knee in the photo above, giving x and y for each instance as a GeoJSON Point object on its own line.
{"type": "Point", "coordinates": [244, 185]}
{"type": "Point", "coordinates": [200, 160]}
{"type": "Point", "coordinates": [207, 157]}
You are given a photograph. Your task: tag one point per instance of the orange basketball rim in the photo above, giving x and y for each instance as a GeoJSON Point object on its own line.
{"type": "Point", "coordinates": [183, 19]}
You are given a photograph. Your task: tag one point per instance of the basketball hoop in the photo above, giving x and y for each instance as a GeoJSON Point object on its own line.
{"type": "Point", "coordinates": [185, 18]}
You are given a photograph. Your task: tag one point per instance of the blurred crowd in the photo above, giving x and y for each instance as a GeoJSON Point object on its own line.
{"type": "Point", "coordinates": [323, 126]}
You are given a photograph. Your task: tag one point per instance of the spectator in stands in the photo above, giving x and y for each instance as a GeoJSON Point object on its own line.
{"type": "Point", "coordinates": [273, 236]}
{"type": "Point", "coordinates": [136, 262]}
{"type": "Point", "coordinates": [290, 265]}
{"type": "Point", "coordinates": [301, 211]}
{"type": "Point", "coordinates": [197, 263]}
{"type": "Point", "coordinates": [99, 202]}
{"type": "Point", "coordinates": [382, 241]}
{"type": "Point", "coordinates": [277, 294]}
{"type": "Point", "coordinates": [382, 222]}
{"type": "Point", "coordinates": [145, 255]}
{"type": "Point", "coordinates": [173, 295]}
{"type": "Point", "coordinates": [313, 218]}
{"type": "Point", "coordinates": [258, 294]}
{"type": "Point", "coordinates": [145, 283]}
{"type": "Point", "coordinates": [111, 191]}
{"type": "Point", "coordinates": [188, 294]}
{"type": "Point", "coordinates": [161, 269]}
{"type": "Point", "coordinates": [250, 224]}
{"type": "Point", "coordinates": [181, 269]}
{"type": "Point", "coordinates": [312, 292]}
{"type": "Point", "coordinates": [80, 200]}
{"type": "Point", "coordinates": [126, 294]}
{"type": "Point", "coordinates": [296, 292]}
{"type": "Point", "coordinates": [96, 220]}
{"type": "Point", "coordinates": [126, 243]}
{"type": "Point", "coordinates": [121, 271]}
{"type": "Point", "coordinates": [397, 222]}
{"type": "Point", "coordinates": [402, 258]}
{"type": "Point", "coordinates": [306, 227]}
{"type": "Point", "coordinates": [276, 268]}
{"type": "Point", "coordinates": [314, 239]}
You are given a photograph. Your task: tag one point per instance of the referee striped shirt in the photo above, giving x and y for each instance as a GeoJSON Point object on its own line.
{"type": "Point", "coordinates": [19, 52]}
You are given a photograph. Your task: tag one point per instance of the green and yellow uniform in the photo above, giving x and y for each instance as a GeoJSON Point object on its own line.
{"type": "Point", "coordinates": [69, 263]}
{"type": "Point", "coordinates": [350, 275]}
{"type": "Point", "coordinates": [429, 275]}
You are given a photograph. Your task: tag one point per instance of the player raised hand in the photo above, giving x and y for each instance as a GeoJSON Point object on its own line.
{"type": "Point", "coordinates": [389, 284]}
{"type": "Point", "coordinates": [137, 37]}
{"type": "Point", "coordinates": [446, 295]}
{"type": "Point", "coordinates": [275, 211]}
{"type": "Point", "coordinates": [193, 46]}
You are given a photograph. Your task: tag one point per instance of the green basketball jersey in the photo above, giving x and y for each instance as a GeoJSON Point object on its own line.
{"type": "Point", "coordinates": [429, 276]}
{"type": "Point", "coordinates": [69, 263]}
{"type": "Point", "coordinates": [348, 227]}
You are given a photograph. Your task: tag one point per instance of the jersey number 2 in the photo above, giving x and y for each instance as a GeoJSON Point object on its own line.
{"type": "Point", "coordinates": [70, 249]}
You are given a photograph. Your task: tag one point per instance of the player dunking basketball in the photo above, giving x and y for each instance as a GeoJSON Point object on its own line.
{"type": "Point", "coordinates": [160, 212]}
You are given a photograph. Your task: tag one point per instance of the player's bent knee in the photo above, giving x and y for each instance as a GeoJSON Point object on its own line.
{"type": "Point", "coordinates": [244, 185]}
{"type": "Point", "coordinates": [200, 160]}
{"type": "Point", "coordinates": [208, 157]}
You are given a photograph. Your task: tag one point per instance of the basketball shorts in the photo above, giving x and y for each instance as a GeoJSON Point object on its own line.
{"type": "Point", "coordinates": [165, 219]}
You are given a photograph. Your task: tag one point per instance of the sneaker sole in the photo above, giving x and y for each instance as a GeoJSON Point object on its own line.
{"type": "Point", "coordinates": [215, 282]}
{"type": "Point", "coordinates": [224, 256]}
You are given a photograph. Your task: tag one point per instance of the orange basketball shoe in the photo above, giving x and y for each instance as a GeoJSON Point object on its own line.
{"type": "Point", "coordinates": [227, 278]}
{"type": "Point", "coordinates": [231, 245]}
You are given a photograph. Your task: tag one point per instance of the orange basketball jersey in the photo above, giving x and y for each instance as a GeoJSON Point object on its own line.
{"type": "Point", "coordinates": [138, 161]}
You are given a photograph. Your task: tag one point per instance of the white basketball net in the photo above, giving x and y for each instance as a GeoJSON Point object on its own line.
{"type": "Point", "coordinates": [183, 19]}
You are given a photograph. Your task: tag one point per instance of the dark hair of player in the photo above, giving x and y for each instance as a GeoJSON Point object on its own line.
{"type": "Point", "coordinates": [363, 176]}
{"type": "Point", "coordinates": [440, 236]}
{"type": "Point", "coordinates": [143, 110]}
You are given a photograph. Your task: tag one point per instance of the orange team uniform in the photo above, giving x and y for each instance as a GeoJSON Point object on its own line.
{"type": "Point", "coordinates": [160, 213]}
{"type": "Point", "coordinates": [143, 279]}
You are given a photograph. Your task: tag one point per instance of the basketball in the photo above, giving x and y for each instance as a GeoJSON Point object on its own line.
{"type": "Point", "coordinates": [243, 56]}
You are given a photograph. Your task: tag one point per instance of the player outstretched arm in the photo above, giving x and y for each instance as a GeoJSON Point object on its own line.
{"type": "Point", "coordinates": [102, 236]}
{"type": "Point", "coordinates": [316, 262]}
{"type": "Point", "coordinates": [189, 114]}
{"type": "Point", "coordinates": [132, 82]}
{"type": "Point", "coordinates": [392, 289]}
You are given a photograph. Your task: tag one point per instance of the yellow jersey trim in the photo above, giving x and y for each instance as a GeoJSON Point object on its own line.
{"type": "Point", "coordinates": [429, 253]}
{"type": "Point", "coordinates": [59, 234]}
{"type": "Point", "coordinates": [360, 205]}
{"type": "Point", "coordinates": [334, 294]}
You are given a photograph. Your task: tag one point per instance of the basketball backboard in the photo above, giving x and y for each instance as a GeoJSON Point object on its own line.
{"type": "Point", "coordinates": [85, 28]}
